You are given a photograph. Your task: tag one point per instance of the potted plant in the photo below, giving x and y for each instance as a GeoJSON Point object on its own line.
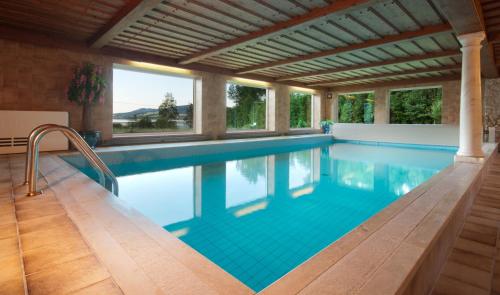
{"type": "Point", "coordinates": [86, 89]}
{"type": "Point", "coordinates": [326, 125]}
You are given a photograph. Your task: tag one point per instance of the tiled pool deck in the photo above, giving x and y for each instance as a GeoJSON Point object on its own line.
{"type": "Point", "coordinates": [77, 238]}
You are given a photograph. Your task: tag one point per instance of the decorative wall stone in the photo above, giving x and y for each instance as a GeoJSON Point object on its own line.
{"type": "Point", "coordinates": [491, 101]}
{"type": "Point", "coordinates": [35, 78]}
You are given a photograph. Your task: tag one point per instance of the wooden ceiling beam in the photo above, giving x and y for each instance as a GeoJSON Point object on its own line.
{"type": "Point", "coordinates": [335, 7]}
{"type": "Point", "coordinates": [386, 40]}
{"type": "Point", "coordinates": [401, 60]}
{"type": "Point", "coordinates": [466, 16]}
{"type": "Point", "coordinates": [129, 14]}
{"type": "Point", "coordinates": [402, 82]}
{"type": "Point", "coordinates": [389, 75]}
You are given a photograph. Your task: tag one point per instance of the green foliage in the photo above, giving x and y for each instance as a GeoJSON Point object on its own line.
{"type": "Point", "coordinates": [168, 111]}
{"type": "Point", "coordinates": [87, 86]}
{"type": "Point", "coordinates": [300, 110]}
{"type": "Point", "coordinates": [356, 108]}
{"type": "Point", "coordinates": [189, 116]}
{"type": "Point", "coordinates": [249, 110]}
{"type": "Point", "coordinates": [417, 106]}
{"type": "Point", "coordinates": [144, 122]}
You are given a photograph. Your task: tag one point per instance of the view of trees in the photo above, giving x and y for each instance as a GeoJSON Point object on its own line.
{"type": "Point", "coordinates": [416, 106]}
{"type": "Point", "coordinates": [168, 117]}
{"type": "Point", "coordinates": [356, 108]}
{"type": "Point", "coordinates": [300, 110]}
{"type": "Point", "coordinates": [246, 107]}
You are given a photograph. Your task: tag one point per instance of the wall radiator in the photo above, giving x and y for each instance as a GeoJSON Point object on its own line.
{"type": "Point", "coordinates": [15, 127]}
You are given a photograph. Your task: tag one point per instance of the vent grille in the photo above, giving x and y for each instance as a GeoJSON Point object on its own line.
{"type": "Point", "coordinates": [13, 141]}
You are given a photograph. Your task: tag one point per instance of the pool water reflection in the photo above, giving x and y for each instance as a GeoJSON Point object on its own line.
{"type": "Point", "coordinates": [258, 218]}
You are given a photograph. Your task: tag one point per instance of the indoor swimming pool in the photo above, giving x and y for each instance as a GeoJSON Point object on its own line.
{"type": "Point", "coordinates": [260, 212]}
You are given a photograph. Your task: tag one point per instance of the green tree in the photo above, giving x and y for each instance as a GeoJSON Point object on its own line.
{"type": "Point", "coordinates": [144, 122]}
{"type": "Point", "coordinates": [416, 106]}
{"type": "Point", "coordinates": [356, 108]}
{"type": "Point", "coordinates": [189, 116]}
{"type": "Point", "coordinates": [249, 107]}
{"type": "Point", "coordinates": [168, 111]}
{"type": "Point", "coordinates": [300, 110]}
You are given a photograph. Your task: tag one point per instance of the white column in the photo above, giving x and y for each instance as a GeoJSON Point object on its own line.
{"type": "Point", "coordinates": [471, 122]}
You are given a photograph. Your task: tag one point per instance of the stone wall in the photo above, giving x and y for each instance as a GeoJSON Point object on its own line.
{"type": "Point", "coordinates": [491, 102]}
{"type": "Point", "coordinates": [35, 78]}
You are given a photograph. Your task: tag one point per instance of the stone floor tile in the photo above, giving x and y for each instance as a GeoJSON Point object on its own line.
{"type": "Point", "coordinates": [67, 277]}
{"type": "Point", "coordinates": [47, 256]}
{"type": "Point", "coordinates": [11, 276]}
{"type": "Point", "coordinates": [449, 286]}
{"type": "Point", "coordinates": [488, 239]}
{"type": "Point", "coordinates": [106, 286]}
{"type": "Point", "coordinates": [475, 247]}
{"type": "Point", "coordinates": [471, 259]}
{"type": "Point", "coordinates": [467, 274]}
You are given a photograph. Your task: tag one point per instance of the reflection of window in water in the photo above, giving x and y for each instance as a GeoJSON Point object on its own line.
{"type": "Point", "coordinates": [300, 169]}
{"type": "Point", "coordinates": [246, 181]}
{"type": "Point", "coordinates": [403, 179]}
{"type": "Point", "coordinates": [360, 175]}
{"type": "Point", "coordinates": [170, 202]}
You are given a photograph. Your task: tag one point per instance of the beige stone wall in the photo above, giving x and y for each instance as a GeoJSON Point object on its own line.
{"type": "Point", "coordinates": [491, 102]}
{"type": "Point", "coordinates": [35, 78]}
{"type": "Point", "coordinates": [381, 112]}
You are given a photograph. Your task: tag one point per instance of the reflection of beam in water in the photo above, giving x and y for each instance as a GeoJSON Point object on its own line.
{"type": "Point", "coordinates": [271, 171]}
{"type": "Point", "coordinates": [251, 209]}
{"type": "Point", "coordinates": [303, 191]}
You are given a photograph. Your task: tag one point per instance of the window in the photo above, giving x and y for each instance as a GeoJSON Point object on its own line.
{"type": "Point", "coordinates": [300, 110]}
{"type": "Point", "coordinates": [147, 101]}
{"type": "Point", "coordinates": [356, 108]}
{"type": "Point", "coordinates": [416, 106]}
{"type": "Point", "coordinates": [246, 107]}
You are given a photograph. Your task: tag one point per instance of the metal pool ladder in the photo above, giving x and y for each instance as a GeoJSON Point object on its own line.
{"type": "Point", "coordinates": [32, 157]}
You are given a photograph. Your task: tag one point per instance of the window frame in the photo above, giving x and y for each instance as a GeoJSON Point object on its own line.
{"type": "Point", "coordinates": [148, 68]}
{"type": "Point", "coordinates": [267, 112]}
{"type": "Point", "coordinates": [389, 92]}
{"type": "Point", "coordinates": [354, 93]}
{"type": "Point", "coordinates": [312, 94]}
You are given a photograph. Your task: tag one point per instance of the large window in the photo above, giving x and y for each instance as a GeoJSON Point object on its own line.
{"type": "Point", "coordinates": [416, 106]}
{"type": "Point", "coordinates": [300, 110]}
{"type": "Point", "coordinates": [151, 102]}
{"type": "Point", "coordinates": [356, 108]}
{"type": "Point", "coordinates": [246, 107]}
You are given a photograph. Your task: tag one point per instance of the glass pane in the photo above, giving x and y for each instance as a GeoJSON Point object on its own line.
{"type": "Point", "coordinates": [245, 107]}
{"type": "Point", "coordinates": [416, 106]}
{"type": "Point", "coordinates": [150, 102]}
{"type": "Point", "coordinates": [356, 108]}
{"type": "Point", "coordinates": [300, 110]}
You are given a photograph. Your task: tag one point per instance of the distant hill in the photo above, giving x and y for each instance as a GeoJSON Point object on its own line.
{"type": "Point", "coordinates": [146, 111]}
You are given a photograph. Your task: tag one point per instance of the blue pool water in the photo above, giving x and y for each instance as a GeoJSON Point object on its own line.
{"type": "Point", "coordinates": [259, 215]}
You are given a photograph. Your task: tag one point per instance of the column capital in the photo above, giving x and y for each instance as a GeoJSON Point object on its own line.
{"type": "Point", "coordinates": [471, 39]}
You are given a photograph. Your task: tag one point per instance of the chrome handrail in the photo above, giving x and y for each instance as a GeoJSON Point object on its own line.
{"type": "Point", "coordinates": [32, 155]}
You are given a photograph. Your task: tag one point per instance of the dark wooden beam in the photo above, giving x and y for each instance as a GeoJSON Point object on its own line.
{"type": "Point", "coordinates": [49, 41]}
{"type": "Point", "coordinates": [430, 30]}
{"type": "Point", "coordinates": [395, 61]}
{"type": "Point", "coordinates": [385, 75]}
{"type": "Point", "coordinates": [335, 7]}
{"type": "Point", "coordinates": [129, 14]}
{"type": "Point", "coordinates": [402, 83]}
{"type": "Point", "coordinates": [465, 16]}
